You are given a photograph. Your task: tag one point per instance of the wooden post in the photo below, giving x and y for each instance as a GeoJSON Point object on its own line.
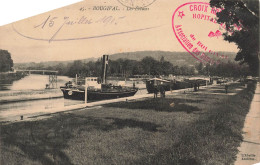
{"type": "Point", "coordinates": [56, 80]}
{"type": "Point", "coordinates": [76, 79]}
{"type": "Point", "coordinates": [86, 91]}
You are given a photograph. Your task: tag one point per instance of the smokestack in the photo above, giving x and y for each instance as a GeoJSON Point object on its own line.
{"type": "Point", "coordinates": [104, 68]}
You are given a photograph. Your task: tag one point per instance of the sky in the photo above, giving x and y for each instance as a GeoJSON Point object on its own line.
{"type": "Point", "coordinates": [14, 10]}
{"type": "Point", "coordinates": [82, 30]}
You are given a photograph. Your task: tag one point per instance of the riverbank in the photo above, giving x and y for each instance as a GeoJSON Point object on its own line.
{"type": "Point", "coordinates": [7, 76]}
{"type": "Point", "coordinates": [184, 128]}
{"type": "Point", "coordinates": [27, 95]}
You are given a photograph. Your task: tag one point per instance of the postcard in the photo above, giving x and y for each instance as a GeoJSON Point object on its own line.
{"type": "Point", "coordinates": [132, 82]}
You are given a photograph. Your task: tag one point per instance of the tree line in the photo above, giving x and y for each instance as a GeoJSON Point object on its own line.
{"type": "Point", "coordinates": [147, 66]}
{"type": "Point", "coordinates": [122, 68]}
{"type": "Point", "coordinates": [229, 69]}
{"type": "Point", "coordinates": [128, 68]}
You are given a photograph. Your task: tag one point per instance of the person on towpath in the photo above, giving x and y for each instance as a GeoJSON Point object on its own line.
{"type": "Point", "coordinates": [162, 92]}
{"type": "Point", "coordinates": [195, 87]}
{"type": "Point", "coordinates": [226, 88]}
{"type": "Point", "coordinates": [155, 91]}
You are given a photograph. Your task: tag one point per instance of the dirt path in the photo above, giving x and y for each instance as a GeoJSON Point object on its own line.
{"type": "Point", "coordinates": [249, 151]}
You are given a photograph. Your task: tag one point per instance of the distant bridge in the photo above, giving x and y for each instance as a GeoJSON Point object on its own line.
{"type": "Point", "coordinates": [52, 76]}
{"type": "Point", "coordinates": [39, 71]}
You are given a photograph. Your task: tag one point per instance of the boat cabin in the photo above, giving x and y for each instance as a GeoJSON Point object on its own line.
{"type": "Point", "coordinates": [93, 82]}
{"type": "Point", "coordinates": [157, 81]}
{"type": "Point", "coordinates": [153, 83]}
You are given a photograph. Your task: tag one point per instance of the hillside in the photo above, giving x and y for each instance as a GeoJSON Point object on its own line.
{"type": "Point", "coordinates": [48, 63]}
{"type": "Point", "coordinates": [176, 58]}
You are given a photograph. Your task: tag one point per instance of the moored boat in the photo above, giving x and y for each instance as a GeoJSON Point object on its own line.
{"type": "Point", "coordinates": [156, 83]}
{"type": "Point", "coordinates": [97, 90]}
{"type": "Point", "coordinates": [107, 91]}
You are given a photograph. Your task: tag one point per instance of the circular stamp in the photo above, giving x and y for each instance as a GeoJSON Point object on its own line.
{"type": "Point", "coordinates": [195, 27]}
{"type": "Point", "coordinates": [136, 3]}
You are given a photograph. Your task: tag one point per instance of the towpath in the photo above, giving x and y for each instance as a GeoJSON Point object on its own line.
{"type": "Point", "coordinates": [37, 113]}
{"type": "Point", "coordinates": [249, 150]}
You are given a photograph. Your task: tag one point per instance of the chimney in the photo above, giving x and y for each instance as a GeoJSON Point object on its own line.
{"type": "Point", "coordinates": [104, 68]}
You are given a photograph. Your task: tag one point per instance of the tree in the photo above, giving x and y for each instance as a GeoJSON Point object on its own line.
{"type": "Point", "coordinates": [61, 68]}
{"type": "Point", "coordinates": [150, 66]}
{"type": "Point", "coordinates": [241, 19]}
{"type": "Point", "coordinates": [162, 59]}
{"type": "Point", "coordinates": [176, 70]}
{"type": "Point", "coordinates": [6, 62]}
{"type": "Point", "coordinates": [199, 67]}
{"type": "Point", "coordinates": [75, 68]}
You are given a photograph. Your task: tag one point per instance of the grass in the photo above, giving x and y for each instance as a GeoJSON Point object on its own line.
{"type": "Point", "coordinates": [186, 129]}
{"type": "Point", "coordinates": [159, 104]}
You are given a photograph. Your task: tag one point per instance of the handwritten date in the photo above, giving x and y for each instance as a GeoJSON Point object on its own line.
{"type": "Point", "coordinates": [59, 23]}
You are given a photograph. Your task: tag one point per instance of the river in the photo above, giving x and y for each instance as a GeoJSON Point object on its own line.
{"type": "Point", "coordinates": [34, 84]}
{"type": "Point", "coordinates": [31, 85]}
{"type": "Point", "coordinates": [31, 82]}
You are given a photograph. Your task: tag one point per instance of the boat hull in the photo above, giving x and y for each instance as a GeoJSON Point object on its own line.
{"type": "Point", "coordinates": [151, 86]}
{"type": "Point", "coordinates": [95, 95]}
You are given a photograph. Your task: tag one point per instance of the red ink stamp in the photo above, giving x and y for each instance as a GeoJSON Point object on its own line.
{"type": "Point", "coordinates": [195, 27]}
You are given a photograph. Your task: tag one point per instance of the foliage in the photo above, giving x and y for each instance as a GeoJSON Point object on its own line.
{"type": "Point", "coordinates": [6, 62]}
{"type": "Point", "coordinates": [147, 66]}
{"type": "Point", "coordinates": [200, 68]}
{"type": "Point", "coordinates": [229, 69]}
{"type": "Point", "coordinates": [241, 19]}
{"type": "Point", "coordinates": [82, 69]}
